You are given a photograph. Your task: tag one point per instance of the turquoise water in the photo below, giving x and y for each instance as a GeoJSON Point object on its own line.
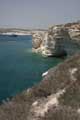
{"type": "Point", "coordinates": [19, 67]}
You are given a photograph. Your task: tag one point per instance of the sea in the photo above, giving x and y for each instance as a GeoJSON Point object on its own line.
{"type": "Point", "coordinates": [20, 68]}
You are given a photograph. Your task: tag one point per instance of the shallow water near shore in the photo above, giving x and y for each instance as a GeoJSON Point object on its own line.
{"type": "Point", "coordinates": [19, 67]}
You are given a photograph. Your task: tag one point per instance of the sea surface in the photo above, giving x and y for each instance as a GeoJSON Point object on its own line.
{"type": "Point", "coordinates": [19, 67]}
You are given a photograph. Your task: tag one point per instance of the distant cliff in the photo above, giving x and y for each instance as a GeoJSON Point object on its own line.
{"type": "Point", "coordinates": [56, 97]}
{"type": "Point", "coordinates": [74, 30]}
{"type": "Point", "coordinates": [52, 42]}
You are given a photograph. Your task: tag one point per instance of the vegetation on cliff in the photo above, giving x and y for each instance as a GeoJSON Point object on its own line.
{"type": "Point", "coordinates": [56, 97]}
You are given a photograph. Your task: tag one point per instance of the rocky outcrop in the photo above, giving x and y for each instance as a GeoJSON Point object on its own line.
{"type": "Point", "coordinates": [37, 38]}
{"type": "Point", "coordinates": [53, 42]}
{"type": "Point", "coordinates": [74, 30]}
{"type": "Point", "coordinates": [56, 97]}
{"type": "Point", "coordinates": [56, 41]}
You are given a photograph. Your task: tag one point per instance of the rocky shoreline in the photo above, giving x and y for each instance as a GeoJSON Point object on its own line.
{"type": "Point", "coordinates": [50, 42]}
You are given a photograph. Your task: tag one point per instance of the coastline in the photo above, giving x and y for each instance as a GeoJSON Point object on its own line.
{"type": "Point", "coordinates": [47, 99]}
{"type": "Point", "coordinates": [57, 94]}
{"type": "Point", "coordinates": [10, 31]}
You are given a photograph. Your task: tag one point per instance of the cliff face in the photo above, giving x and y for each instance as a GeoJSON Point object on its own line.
{"type": "Point", "coordinates": [74, 31]}
{"type": "Point", "coordinates": [57, 97]}
{"type": "Point", "coordinates": [52, 42]}
{"type": "Point", "coordinates": [37, 38]}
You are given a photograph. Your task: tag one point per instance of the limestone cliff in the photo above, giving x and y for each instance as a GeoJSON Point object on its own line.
{"type": "Point", "coordinates": [52, 42]}
{"type": "Point", "coordinates": [56, 97]}
{"type": "Point", "coordinates": [74, 30]}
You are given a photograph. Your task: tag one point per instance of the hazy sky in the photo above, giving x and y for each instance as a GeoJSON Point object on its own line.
{"type": "Point", "coordinates": [38, 13]}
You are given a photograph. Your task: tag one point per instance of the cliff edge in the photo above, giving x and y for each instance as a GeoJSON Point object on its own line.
{"type": "Point", "coordinates": [56, 97]}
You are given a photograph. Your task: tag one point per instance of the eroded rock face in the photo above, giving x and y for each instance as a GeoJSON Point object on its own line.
{"type": "Point", "coordinates": [52, 43]}
{"type": "Point", "coordinates": [74, 31]}
{"type": "Point", "coordinates": [58, 41]}
{"type": "Point", "coordinates": [37, 39]}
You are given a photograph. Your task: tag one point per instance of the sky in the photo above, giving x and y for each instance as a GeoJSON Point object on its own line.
{"type": "Point", "coordinates": [38, 13]}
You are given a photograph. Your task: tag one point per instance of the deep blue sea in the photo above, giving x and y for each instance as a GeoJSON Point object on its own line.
{"type": "Point", "coordinates": [19, 67]}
